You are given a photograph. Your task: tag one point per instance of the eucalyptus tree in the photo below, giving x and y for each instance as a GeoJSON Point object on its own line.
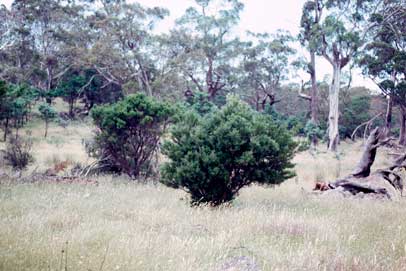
{"type": "Point", "coordinates": [48, 25]}
{"type": "Point", "coordinates": [264, 66]}
{"type": "Point", "coordinates": [385, 59]}
{"type": "Point", "coordinates": [16, 47]}
{"type": "Point", "coordinates": [122, 40]}
{"type": "Point", "coordinates": [342, 28]}
{"type": "Point", "coordinates": [311, 15]}
{"type": "Point", "coordinates": [6, 27]}
{"type": "Point", "coordinates": [204, 48]}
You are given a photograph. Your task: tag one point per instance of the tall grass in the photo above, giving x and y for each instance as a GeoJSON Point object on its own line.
{"type": "Point", "coordinates": [122, 225]}
{"type": "Point", "coordinates": [118, 225]}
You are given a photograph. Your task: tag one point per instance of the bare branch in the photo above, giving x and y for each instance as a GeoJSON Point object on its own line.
{"type": "Point", "coordinates": [363, 124]}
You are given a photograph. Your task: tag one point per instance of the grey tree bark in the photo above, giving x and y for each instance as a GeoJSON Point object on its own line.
{"type": "Point", "coordinates": [334, 92]}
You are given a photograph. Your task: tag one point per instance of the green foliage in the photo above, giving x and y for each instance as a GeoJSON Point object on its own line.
{"type": "Point", "coordinates": [294, 123]}
{"type": "Point", "coordinates": [312, 130]}
{"type": "Point", "coordinates": [265, 65]}
{"type": "Point", "coordinates": [47, 112]}
{"type": "Point", "coordinates": [98, 91]}
{"type": "Point", "coordinates": [303, 145]}
{"type": "Point", "coordinates": [354, 112]}
{"type": "Point", "coordinates": [205, 50]}
{"type": "Point", "coordinates": [129, 132]}
{"type": "Point", "coordinates": [214, 156]}
{"type": "Point", "coordinates": [3, 103]}
{"type": "Point", "coordinates": [70, 89]}
{"type": "Point", "coordinates": [15, 104]}
{"type": "Point", "coordinates": [200, 102]}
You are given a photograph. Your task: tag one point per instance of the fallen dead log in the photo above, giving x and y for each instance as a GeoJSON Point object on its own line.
{"type": "Point", "coordinates": [384, 183]}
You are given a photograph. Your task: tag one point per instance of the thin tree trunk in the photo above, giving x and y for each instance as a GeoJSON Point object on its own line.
{"type": "Point", "coordinates": [6, 129]}
{"type": "Point", "coordinates": [315, 100]}
{"type": "Point", "coordinates": [388, 117]}
{"type": "Point", "coordinates": [48, 86]}
{"type": "Point", "coordinates": [46, 129]}
{"type": "Point", "coordinates": [147, 85]}
{"type": "Point", "coordinates": [71, 104]}
{"type": "Point", "coordinates": [334, 110]}
{"type": "Point", "coordinates": [402, 136]}
{"type": "Point", "coordinates": [314, 96]}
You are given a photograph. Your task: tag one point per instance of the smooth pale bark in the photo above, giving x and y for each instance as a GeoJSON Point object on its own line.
{"type": "Point", "coordinates": [314, 95]}
{"type": "Point", "coordinates": [334, 93]}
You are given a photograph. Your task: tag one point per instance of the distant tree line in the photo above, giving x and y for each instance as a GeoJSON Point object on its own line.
{"type": "Point", "coordinates": [96, 52]}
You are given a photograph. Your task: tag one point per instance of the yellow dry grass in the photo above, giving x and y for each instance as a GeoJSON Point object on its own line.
{"type": "Point", "coordinates": [122, 225]}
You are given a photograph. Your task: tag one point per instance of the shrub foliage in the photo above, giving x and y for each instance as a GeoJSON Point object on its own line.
{"type": "Point", "coordinates": [129, 132]}
{"type": "Point", "coordinates": [214, 156]}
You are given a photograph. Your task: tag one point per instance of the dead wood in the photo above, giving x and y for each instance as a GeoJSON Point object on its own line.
{"type": "Point", "coordinates": [384, 183]}
{"type": "Point", "coordinates": [363, 168]}
{"type": "Point", "coordinates": [367, 125]}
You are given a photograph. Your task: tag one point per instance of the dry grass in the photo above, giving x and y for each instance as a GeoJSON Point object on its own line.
{"type": "Point", "coordinates": [121, 225]}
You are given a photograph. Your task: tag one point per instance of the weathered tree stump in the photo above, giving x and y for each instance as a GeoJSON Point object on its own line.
{"type": "Point", "coordinates": [383, 183]}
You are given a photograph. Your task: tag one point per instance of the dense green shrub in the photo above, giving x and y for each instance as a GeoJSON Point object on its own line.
{"type": "Point", "coordinates": [313, 131]}
{"type": "Point", "coordinates": [214, 156]}
{"type": "Point", "coordinates": [200, 102]}
{"type": "Point", "coordinates": [70, 90]}
{"type": "Point", "coordinates": [15, 105]}
{"type": "Point", "coordinates": [129, 132]}
{"type": "Point", "coordinates": [295, 124]}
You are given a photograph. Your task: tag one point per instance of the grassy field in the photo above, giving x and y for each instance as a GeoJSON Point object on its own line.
{"type": "Point", "coordinates": [122, 225]}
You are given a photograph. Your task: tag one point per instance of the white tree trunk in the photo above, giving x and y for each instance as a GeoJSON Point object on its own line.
{"type": "Point", "coordinates": [334, 93]}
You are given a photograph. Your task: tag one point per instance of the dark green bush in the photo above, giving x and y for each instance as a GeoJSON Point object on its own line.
{"type": "Point", "coordinates": [48, 113]}
{"type": "Point", "coordinates": [129, 132]}
{"type": "Point", "coordinates": [200, 102]}
{"type": "Point", "coordinates": [313, 131]}
{"type": "Point", "coordinates": [355, 112]}
{"type": "Point", "coordinates": [214, 156]}
{"type": "Point", "coordinates": [295, 124]}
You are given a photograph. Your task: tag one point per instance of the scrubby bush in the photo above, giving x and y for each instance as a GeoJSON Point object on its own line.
{"type": "Point", "coordinates": [313, 131]}
{"type": "Point", "coordinates": [18, 153]}
{"type": "Point", "coordinates": [214, 156]}
{"type": "Point", "coordinates": [129, 132]}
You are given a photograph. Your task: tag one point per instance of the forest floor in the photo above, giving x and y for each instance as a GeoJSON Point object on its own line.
{"type": "Point", "coordinates": [119, 224]}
